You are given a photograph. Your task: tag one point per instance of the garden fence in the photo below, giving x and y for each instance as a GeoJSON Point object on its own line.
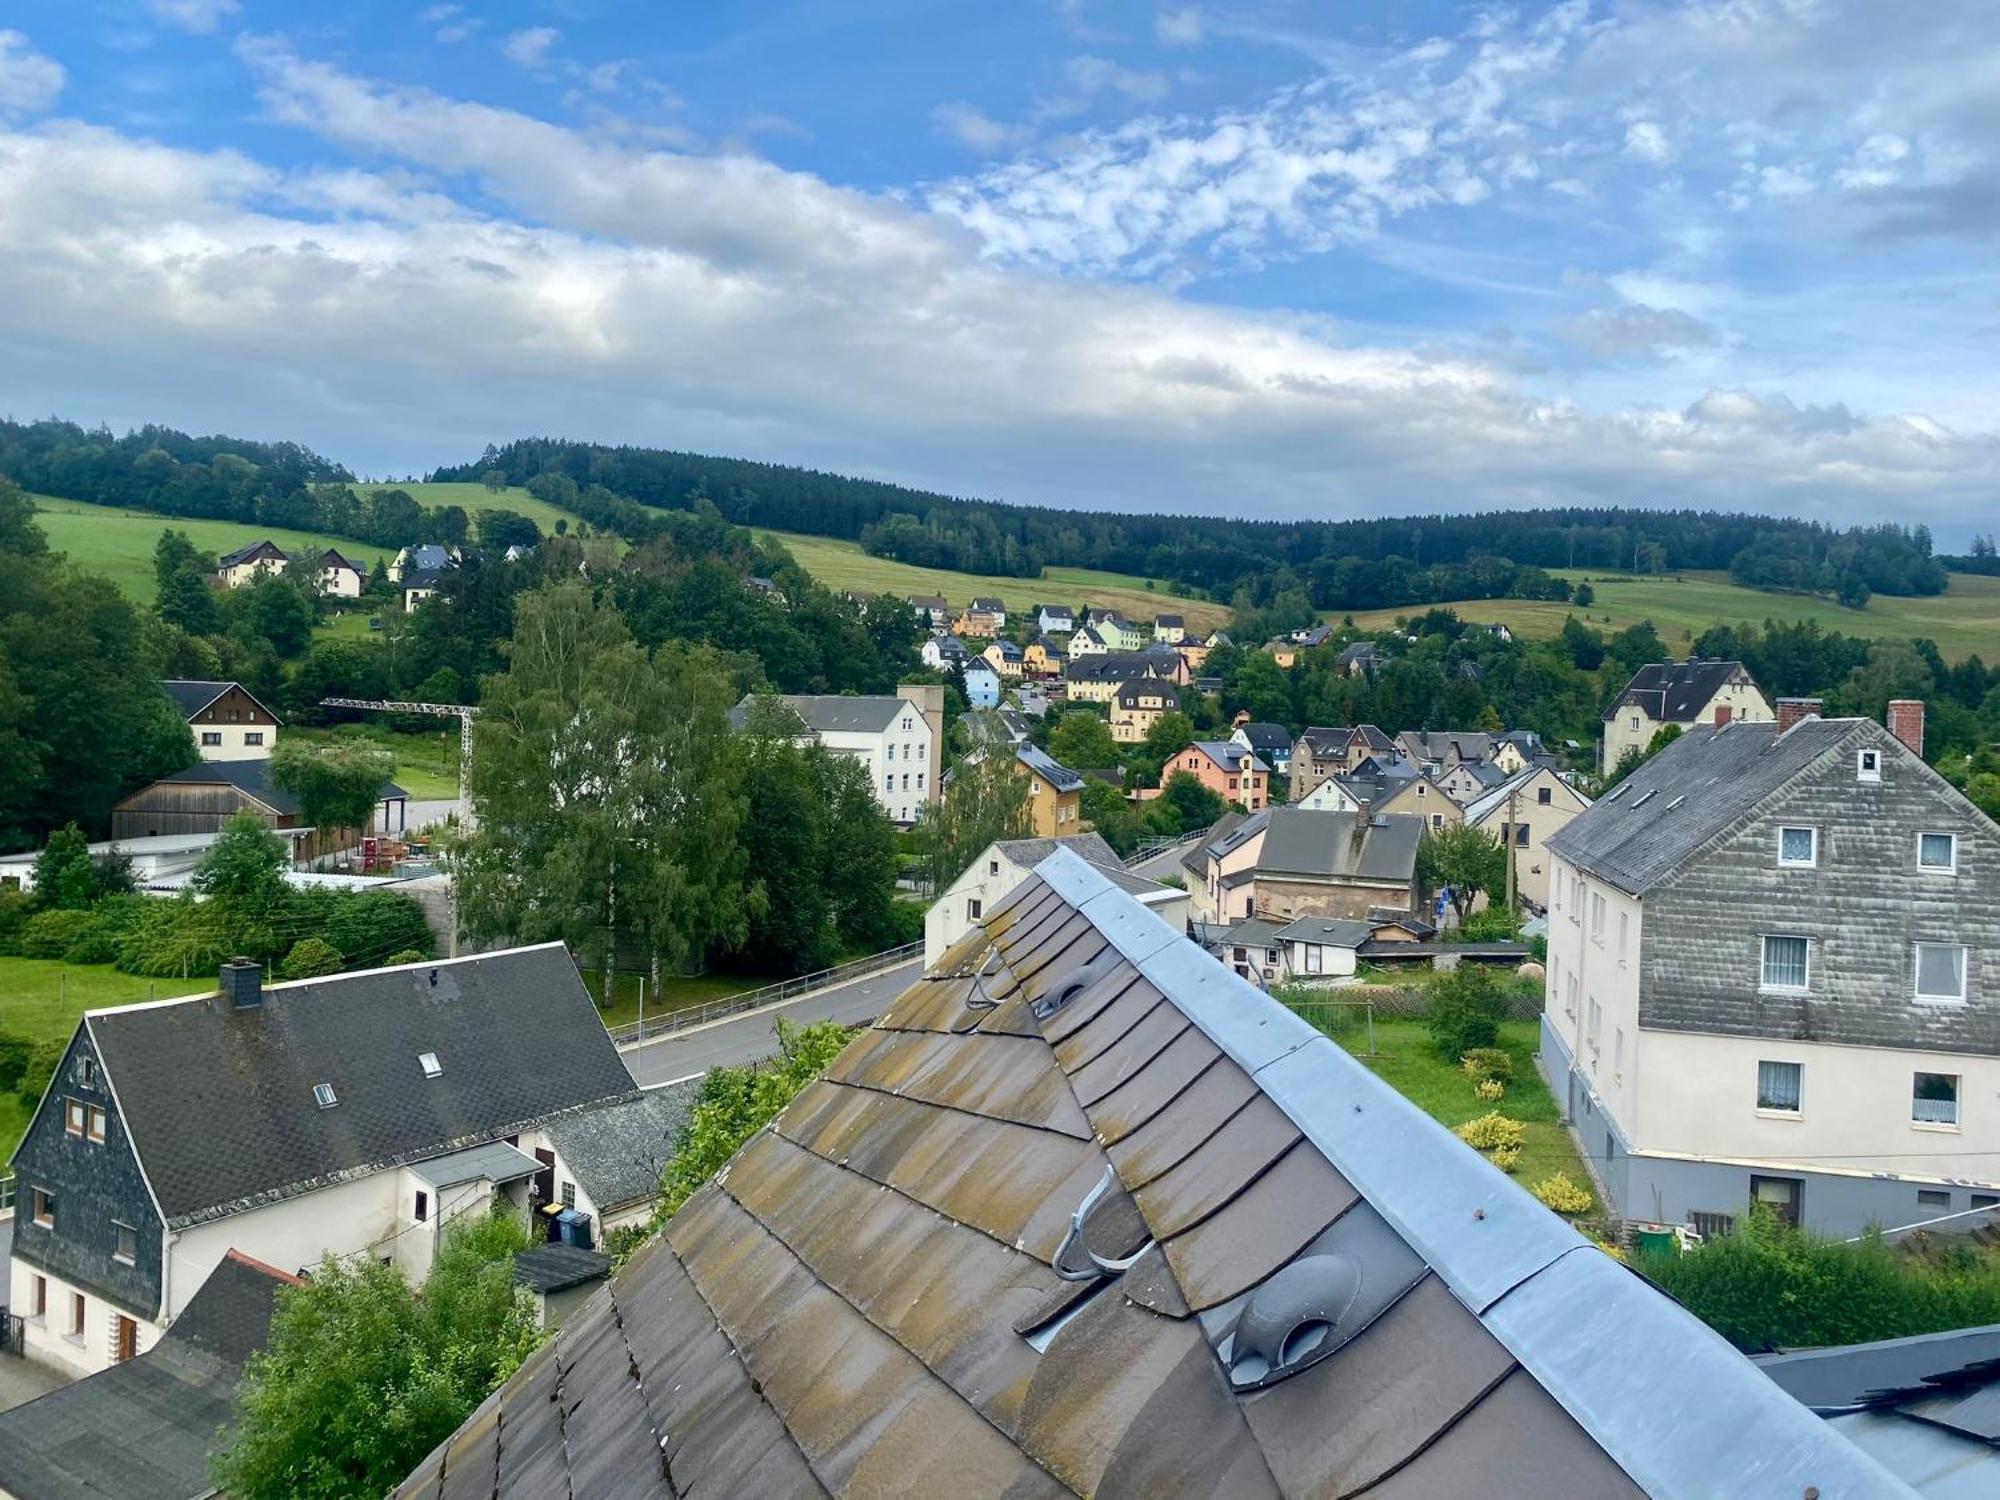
{"type": "Point", "coordinates": [790, 989]}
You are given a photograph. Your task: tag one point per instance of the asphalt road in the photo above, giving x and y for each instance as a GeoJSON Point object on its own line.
{"type": "Point", "coordinates": [1160, 866]}
{"type": "Point", "coordinates": [752, 1036]}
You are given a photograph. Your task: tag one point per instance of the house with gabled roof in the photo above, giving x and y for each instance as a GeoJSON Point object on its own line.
{"type": "Point", "coordinates": [355, 1114]}
{"type": "Point", "coordinates": [1287, 862]}
{"type": "Point", "coordinates": [1232, 771]}
{"type": "Point", "coordinates": [339, 578]}
{"type": "Point", "coordinates": [1272, 743]}
{"type": "Point", "coordinates": [1324, 751]}
{"type": "Point", "coordinates": [1005, 863]}
{"type": "Point", "coordinates": [1055, 793]}
{"type": "Point", "coordinates": [1171, 629]}
{"type": "Point", "coordinates": [931, 610]}
{"type": "Point", "coordinates": [1525, 812]}
{"type": "Point", "coordinates": [228, 721]}
{"type": "Point", "coordinates": [1085, 1214]}
{"type": "Point", "coordinates": [203, 798]}
{"type": "Point", "coordinates": [248, 564]}
{"type": "Point", "coordinates": [1138, 704]}
{"type": "Point", "coordinates": [1683, 694]}
{"type": "Point", "coordinates": [1054, 619]}
{"type": "Point", "coordinates": [890, 734]}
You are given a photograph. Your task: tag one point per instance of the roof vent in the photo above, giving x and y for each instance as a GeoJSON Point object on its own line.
{"type": "Point", "coordinates": [1618, 791]}
{"type": "Point", "coordinates": [1075, 982]}
{"type": "Point", "coordinates": [1289, 1322]}
{"type": "Point", "coordinates": [323, 1095]}
{"type": "Point", "coordinates": [1643, 798]}
{"type": "Point", "coordinates": [428, 1061]}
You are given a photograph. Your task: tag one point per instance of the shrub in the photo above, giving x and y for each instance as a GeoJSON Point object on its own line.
{"type": "Point", "coordinates": [14, 908]}
{"type": "Point", "coordinates": [176, 939]}
{"type": "Point", "coordinates": [1496, 924]}
{"type": "Point", "coordinates": [44, 1057]}
{"type": "Point", "coordinates": [1492, 1090]}
{"type": "Point", "coordinates": [1484, 1063]}
{"type": "Point", "coordinates": [1560, 1193]}
{"type": "Point", "coordinates": [310, 958]}
{"type": "Point", "coordinates": [16, 1053]}
{"type": "Point", "coordinates": [403, 956]}
{"type": "Point", "coordinates": [51, 934]}
{"type": "Point", "coordinates": [1506, 1158]}
{"type": "Point", "coordinates": [1467, 1007]}
{"type": "Point", "coordinates": [1492, 1131]}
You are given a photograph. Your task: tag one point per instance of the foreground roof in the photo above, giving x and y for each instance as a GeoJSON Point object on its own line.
{"type": "Point", "coordinates": [515, 1034]}
{"type": "Point", "coordinates": [143, 1430]}
{"type": "Point", "coordinates": [1084, 1214]}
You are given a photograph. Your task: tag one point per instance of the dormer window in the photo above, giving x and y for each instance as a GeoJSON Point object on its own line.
{"type": "Point", "coordinates": [1868, 765]}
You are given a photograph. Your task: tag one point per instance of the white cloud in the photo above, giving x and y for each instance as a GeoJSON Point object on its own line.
{"type": "Point", "coordinates": [975, 128]}
{"type": "Point", "coordinates": [450, 22]}
{"type": "Point", "coordinates": [1179, 28]}
{"type": "Point", "coordinates": [1645, 141]}
{"type": "Point", "coordinates": [198, 16]}
{"type": "Point", "coordinates": [530, 48]}
{"type": "Point", "coordinates": [1637, 330]}
{"type": "Point", "coordinates": [29, 82]}
{"type": "Point", "coordinates": [721, 303]}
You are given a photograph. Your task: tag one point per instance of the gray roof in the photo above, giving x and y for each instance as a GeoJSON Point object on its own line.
{"type": "Point", "coordinates": [420, 578]}
{"type": "Point", "coordinates": [1129, 693]}
{"type": "Point", "coordinates": [1044, 765]}
{"type": "Point", "coordinates": [1340, 845]}
{"type": "Point", "coordinates": [834, 714]}
{"type": "Point", "coordinates": [1230, 755]}
{"type": "Point", "coordinates": [556, 1267]}
{"type": "Point", "coordinates": [1266, 738]}
{"type": "Point", "coordinates": [492, 1161]}
{"type": "Point", "coordinates": [1336, 932]}
{"type": "Point", "coordinates": [616, 1151]}
{"type": "Point", "coordinates": [1107, 1220]}
{"type": "Point", "coordinates": [1445, 744]}
{"type": "Point", "coordinates": [1025, 854]}
{"type": "Point", "coordinates": [256, 550]}
{"type": "Point", "coordinates": [1695, 790]}
{"type": "Point", "coordinates": [432, 556]}
{"type": "Point", "coordinates": [518, 1039]}
{"type": "Point", "coordinates": [1246, 932]}
{"type": "Point", "coordinates": [143, 1429]}
{"type": "Point", "coordinates": [1675, 691]}
{"type": "Point", "coordinates": [253, 779]}
{"type": "Point", "coordinates": [191, 696]}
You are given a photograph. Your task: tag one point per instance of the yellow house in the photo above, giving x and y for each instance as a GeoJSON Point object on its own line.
{"type": "Point", "coordinates": [1040, 659]}
{"type": "Point", "coordinates": [1282, 651]}
{"type": "Point", "coordinates": [1055, 794]}
{"type": "Point", "coordinates": [975, 624]}
{"type": "Point", "coordinates": [1137, 706]}
{"type": "Point", "coordinates": [1005, 658]}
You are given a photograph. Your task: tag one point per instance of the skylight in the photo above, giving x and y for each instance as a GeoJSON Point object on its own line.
{"type": "Point", "coordinates": [430, 1064]}
{"type": "Point", "coordinates": [323, 1095]}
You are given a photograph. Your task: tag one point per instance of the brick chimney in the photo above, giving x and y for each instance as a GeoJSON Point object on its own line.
{"type": "Point", "coordinates": [242, 984]}
{"type": "Point", "coordinates": [1906, 723]}
{"type": "Point", "coordinates": [1791, 710]}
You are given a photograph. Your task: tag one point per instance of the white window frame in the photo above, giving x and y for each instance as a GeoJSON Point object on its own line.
{"type": "Point", "coordinates": [1799, 1089]}
{"type": "Point", "coordinates": [973, 908]}
{"type": "Point", "coordinates": [1868, 765]}
{"type": "Point", "coordinates": [1950, 868]}
{"type": "Point", "coordinates": [1917, 969]}
{"type": "Point", "coordinates": [1957, 1101]}
{"type": "Point", "coordinates": [1811, 861]}
{"type": "Point", "coordinates": [1764, 964]}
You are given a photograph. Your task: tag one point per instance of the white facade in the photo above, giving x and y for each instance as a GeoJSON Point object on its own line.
{"type": "Point", "coordinates": [1630, 727]}
{"type": "Point", "coordinates": [67, 1328]}
{"type": "Point", "coordinates": [249, 572]}
{"type": "Point", "coordinates": [340, 582]}
{"type": "Point", "coordinates": [1306, 963]}
{"type": "Point", "coordinates": [1329, 796]}
{"type": "Point", "coordinates": [897, 759]}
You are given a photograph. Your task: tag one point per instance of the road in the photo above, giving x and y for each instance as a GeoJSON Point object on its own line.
{"type": "Point", "coordinates": [750, 1037]}
{"type": "Point", "coordinates": [1166, 862]}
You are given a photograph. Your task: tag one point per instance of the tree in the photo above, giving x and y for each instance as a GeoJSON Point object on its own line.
{"type": "Point", "coordinates": [310, 958]}
{"type": "Point", "coordinates": [183, 594]}
{"type": "Point", "coordinates": [1082, 739]}
{"type": "Point", "coordinates": [986, 800]}
{"type": "Point", "coordinates": [338, 785]}
{"type": "Point", "coordinates": [1167, 736]}
{"type": "Point", "coordinates": [1462, 860]}
{"type": "Point", "coordinates": [1108, 813]}
{"type": "Point", "coordinates": [1467, 1006]}
{"type": "Point", "coordinates": [605, 789]}
{"type": "Point", "coordinates": [276, 610]}
{"type": "Point", "coordinates": [361, 1377]}
{"type": "Point", "coordinates": [63, 874]}
{"type": "Point", "coordinates": [246, 864]}
{"type": "Point", "coordinates": [1183, 806]}
{"type": "Point", "coordinates": [1635, 757]}
{"type": "Point", "coordinates": [494, 480]}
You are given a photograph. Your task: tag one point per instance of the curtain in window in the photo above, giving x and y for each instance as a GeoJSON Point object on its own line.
{"type": "Point", "coordinates": [1777, 1085]}
{"type": "Point", "coordinates": [1940, 971]}
{"type": "Point", "coordinates": [1785, 962]}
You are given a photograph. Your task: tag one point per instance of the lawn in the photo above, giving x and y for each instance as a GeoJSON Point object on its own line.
{"type": "Point", "coordinates": [1962, 620]}
{"type": "Point", "coordinates": [677, 992]}
{"type": "Point", "coordinates": [42, 998]}
{"type": "Point", "coordinates": [119, 543]}
{"type": "Point", "coordinates": [426, 762]}
{"type": "Point", "coordinates": [843, 565]}
{"type": "Point", "coordinates": [1409, 1063]}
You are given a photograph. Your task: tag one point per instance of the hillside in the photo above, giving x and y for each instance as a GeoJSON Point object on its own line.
{"type": "Point", "coordinates": [1963, 620]}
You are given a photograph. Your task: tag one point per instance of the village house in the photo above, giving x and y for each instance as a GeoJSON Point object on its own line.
{"type": "Point", "coordinates": [1041, 658]}
{"type": "Point", "coordinates": [248, 564]}
{"type": "Point", "coordinates": [227, 721]}
{"type": "Point", "coordinates": [1229, 1260]}
{"type": "Point", "coordinates": [1096, 679]}
{"type": "Point", "coordinates": [990, 608]}
{"type": "Point", "coordinates": [1271, 742]}
{"type": "Point", "coordinates": [1004, 657]}
{"type": "Point", "coordinates": [931, 610]}
{"type": "Point", "coordinates": [1771, 974]}
{"type": "Point", "coordinates": [1361, 659]}
{"type": "Point", "coordinates": [895, 737]}
{"type": "Point", "coordinates": [943, 652]}
{"type": "Point", "coordinates": [1138, 705]}
{"type": "Point", "coordinates": [1321, 752]}
{"type": "Point", "coordinates": [1054, 619]}
{"type": "Point", "coordinates": [1232, 771]}
{"type": "Point", "coordinates": [353, 1115]}
{"type": "Point", "coordinates": [975, 624]}
{"type": "Point", "coordinates": [1001, 866]}
{"type": "Point", "coordinates": [419, 584]}
{"type": "Point", "coordinates": [1445, 748]}
{"type": "Point", "coordinates": [339, 578]}
{"type": "Point", "coordinates": [1287, 862]}
{"type": "Point", "coordinates": [1683, 694]}
{"type": "Point", "coordinates": [982, 683]}
{"type": "Point", "coordinates": [1055, 793]}
{"type": "Point", "coordinates": [1087, 642]}
{"type": "Point", "coordinates": [1283, 650]}
{"type": "Point", "coordinates": [1524, 813]}
{"type": "Point", "coordinates": [205, 796]}
{"type": "Point", "coordinates": [1319, 949]}
{"type": "Point", "coordinates": [1171, 629]}
{"type": "Point", "coordinates": [423, 557]}
{"type": "Point", "coordinates": [1419, 795]}
{"type": "Point", "coordinates": [1117, 632]}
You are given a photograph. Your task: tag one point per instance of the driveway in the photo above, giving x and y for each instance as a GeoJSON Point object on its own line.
{"type": "Point", "coordinates": [753, 1036]}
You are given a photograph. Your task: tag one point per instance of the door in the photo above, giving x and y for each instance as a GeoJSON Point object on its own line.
{"type": "Point", "coordinates": [1785, 1196]}
{"type": "Point", "coordinates": [126, 1336]}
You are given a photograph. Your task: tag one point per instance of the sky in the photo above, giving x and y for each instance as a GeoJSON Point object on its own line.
{"type": "Point", "coordinates": [1239, 257]}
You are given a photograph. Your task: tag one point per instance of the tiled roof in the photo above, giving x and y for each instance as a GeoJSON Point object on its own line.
{"type": "Point", "coordinates": [616, 1151]}
{"type": "Point", "coordinates": [1044, 765]}
{"type": "Point", "coordinates": [832, 713]}
{"type": "Point", "coordinates": [1674, 692]}
{"type": "Point", "coordinates": [518, 1039]}
{"type": "Point", "coordinates": [1339, 845]}
{"type": "Point", "coordinates": [1129, 693]}
{"type": "Point", "coordinates": [1695, 790]}
{"type": "Point", "coordinates": [1109, 1221]}
{"type": "Point", "coordinates": [1338, 932]}
{"type": "Point", "coordinates": [252, 553]}
{"type": "Point", "coordinates": [1265, 738]}
{"type": "Point", "coordinates": [1231, 756]}
{"type": "Point", "coordinates": [557, 1267]}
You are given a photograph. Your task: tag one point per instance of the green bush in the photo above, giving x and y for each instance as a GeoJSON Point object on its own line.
{"type": "Point", "coordinates": [1492, 1090]}
{"type": "Point", "coordinates": [1484, 1063]}
{"type": "Point", "coordinates": [1496, 924]}
{"type": "Point", "coordinates": [14, 908]}
{"type": "Point", "coordinates": [44, 1057]}
{"type": "Point", "coordinates": [310, 958]}
{"type": "Point", "coordinates": [1492, 1131]}
{"type": "Point", "coordinates": [1769, 1285]}
{"type": "Point", "coordinates": [16, 1053]}
{"type": "Point", "coordinates": [1466, 1009]}
{"type": "Point", "coordinates": [402, 956]}
{"type": "Point", "coordinates": [51, 934]}
{"type": "Point", "coordinates": [1559, 1192]}
{"type": "Point", "coordinates": [177, 939]}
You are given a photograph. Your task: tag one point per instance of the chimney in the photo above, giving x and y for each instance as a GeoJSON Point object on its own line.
{"type": "Point", "coordinates": [928, 699]}
{"type": "Point", "coordinates": [1791, 710]}
{"type": "Point", "coordinates": [1906, 723]}
{"type": "Point", "coordinates": [242, 984]}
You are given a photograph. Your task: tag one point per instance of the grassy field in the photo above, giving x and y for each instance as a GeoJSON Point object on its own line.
{"type": "Point", "coordinates": [472, 498]}
{"type": "Point", "coordinates": [1962, 620]}
{"type": "Point", "coordinates": [843, 565]}
{"type": "Point", "coordinates": [119, 543]}
{"type": "Point", "coordinates": [426, 763]}
{"type": "Point", "coordinates": [42, 998]}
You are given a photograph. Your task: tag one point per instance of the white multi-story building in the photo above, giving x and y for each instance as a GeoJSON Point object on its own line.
{"type": "Point", "coordinates": [1684, 694]}
{"type": "Point", "coordinates": [1004, 864]}
{"type": "Point", "coordinates": [894, 738]}
{"type": "Point", "coordinates": [1772, 978]}
{"type": "Point", "coordinates": [226, 721]}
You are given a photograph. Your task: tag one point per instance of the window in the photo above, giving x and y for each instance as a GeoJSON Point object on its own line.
{"type": "Point", "coordinates": [1313, 960]}
{"type": "Point", "coordinates": [73, 1116]}
{"type": "Point", "coordinates": [992, 867]}
{"type": "Point", "coordinates": [1545, 795]}
{"type": "Point", "coordinates": [1787, 963]}
{"type": "Point", "coordinates": [1597, 915]}
{"type": "Point", "coordinates": [1437, 820]}
{"type": "Point", "coordinates": [1798, 846]}
{"type": "Point", "coordinates": [920, 781]}
{"type": "Point", "coordinates": [1778, 1086]}
{"type": "Point", "coordinates": [569, 1195]}
{"type": "Point", "coordinates": [1624, 934]}
{"type": "Point", "coordinates": [253, 737]}
{"type": "Point", "coordinates": [972, 909]}
{"type": "Point", "coordinates": [1937, 853]}
{"type": "Point", "coordinates": [1940, 971]}
{"type": "Point", "coordinates": [86, 1071]}
{"type": "Point", "coordinates": [1520, 835]}
{"type": "Point", "coordinates": [323, 1095]}
{"type": "Point", "coordinates": [889, 782]}
{"type": "Point", "coordinates": [38, 1305]}
{"type": "Point", "coordinates": [45, 1208]}
{"type": "Point", "coordinates": [1868, 765]}
{"type": "Point", "coordinates": [95, 1128]}
{"type": "Point", "coordinates": [428, 1061]}
{"type": "Point", "coordinates": [76, 1315]}
{"type": "Point", "coordinates": [1986, 1200]}
{"type": "Point", "coordinates": [128, 1243]}
{"type": "Point", "coordinates": [1933, 1198]}
{"type": "Point", "coordinates": [423, 1206]}
{"type": "Point", "coordinates": [1934, 1099]}
{"type": "Point", "coordinates": [1596, 1022]}
{"type": "Point", "coordinates": [211, 736]}
{"type": "Point", "coordinates": [1618, 1050]}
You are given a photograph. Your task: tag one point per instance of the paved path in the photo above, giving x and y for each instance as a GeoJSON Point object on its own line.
{"type": "Point", "coordinates": [1166, 862]}
{"type": "Point", "coordinates": [749, 1037]}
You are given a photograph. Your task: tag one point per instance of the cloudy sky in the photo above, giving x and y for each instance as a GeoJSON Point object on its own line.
{"type": "Point", "coordinates": [1236, 256]}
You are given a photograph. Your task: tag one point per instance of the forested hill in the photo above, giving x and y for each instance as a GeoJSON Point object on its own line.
{"type": "Point", "coordinates": [1352, 564]}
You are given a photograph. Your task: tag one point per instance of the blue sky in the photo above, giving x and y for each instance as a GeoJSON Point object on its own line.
{"type": "Point", "coordinates": [1250, 258]}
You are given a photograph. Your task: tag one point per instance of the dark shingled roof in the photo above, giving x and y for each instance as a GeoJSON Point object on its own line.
{"type": "Point", "coordinates": [557, 1267]}
{"type": "Point", "coordinates": [253, 779]}
{"type": "Point", "coordinates": [191, 696]}
{"type": "Point", "coordinates": [518, 1038]}
{"type": "Point", "coordinates": [1695, 790]}
{"type": "Point", "coordinates": [1339, 845]}
{"type": "Point", "coordinates": [143, 1430]}
{"type": "Point", "coordinates": [866, 1300]}
{"type": "Point", "coordinates": [1266, 738]}
{"type": "Point", "coordinates": [256, 551]}
{"type": "Point", "coordinates": [1675, 691]}
{"type": "Point", "coordinates": [1046, 766]}
{"type": "Point", "coordinates": [617, 1151]}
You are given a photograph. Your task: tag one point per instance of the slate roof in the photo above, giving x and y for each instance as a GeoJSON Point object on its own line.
{"type": "Point", "coordinates": [1446, 744]}
{"type": "Point", "coordinates": [491, 1161]}
{"type": "Point", "coordinates": [420, 578]}
{"type": "Point", "coordinates": [1675, 691]}
{"type": "Point", "coordinates": [1337, 932]}
{"type": "Point", "coordinates": [1366, 653]}
{"type": "Point", "coordinates": [253, 779]}
{"type": "Point", "coordinates": [1129, 693]}
{"type": "Point", "coordinates": [832, 713]}
{"type": "Point", "coordinates": [332, 559]}
{"type": "Point", "coordinates": [1326, 740]}
{"type": "Point", "coordinates": [252, 553]}
{"type": "Point", "coordinates": [1230, 755]}
{"type": "Point", "coordinates": [617, 1150]}
{"type": "Point", "coordinates": [1038, 760]}
{"type": "Point", "coordinates": [1167, 620]}
{"type": "Point", "coordinates": [866, 1302]}
{"type": "Point", "coordinates": [1025, 854]}
{"type": "Point", "coordinates": [1696, 790]}
{"type": "Point", "coordinates": [143, 1429]}
{"type": "Point", "coordinates": [989, 605]}
{"type": "Point", "coordinates": [1120, 665]}
{"type": "Point", "coordinates": [558, 1267]}
{"type": "Point", "coordinates": [191, 696]}
{"type": "Point", "coordinates": [518, 1038]}
{"type": "Point", "coordinates": [431, 557]}
{"type": "Point", "coordinates": [1266, 739]}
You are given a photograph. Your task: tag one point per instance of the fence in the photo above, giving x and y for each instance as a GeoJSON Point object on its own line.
{"type": "Point", "coordinates": [770, 994]}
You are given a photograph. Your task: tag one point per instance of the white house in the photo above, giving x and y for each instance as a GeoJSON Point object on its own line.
{"type": "Point", "coordinates": [353, 1115]}
{"type": "Point", "coordinates": [248, 564]}
{"type": "Point", "coordinates": [1524, 813]}
{"type": "Point", "coordinates": [1319, 949]}
{"type": "Point", "coordinates": [1004, 864]}
{"type": "Point", "coordinates": [228, 721]}
{"type": "Point", "coordinates": [892, 737]}
{"type": "Point", "coordinates": [340, 578]}
{"type": "Point", "coordinates": [424, 557]}
{"type": "Point", "coordinates": [1685, 694]}
{"type": "Point", "coordinates": [942, 652]}
{"type": "Point", "coordinates": [1770, 979]}
{"type": "Point", "coordinates": [1054, 619]}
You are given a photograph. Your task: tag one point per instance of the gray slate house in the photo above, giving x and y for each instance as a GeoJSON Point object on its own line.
{"type": "Point", "coordinates": [1271, 742]}
{"type": "Point", "coordinates": [1287, 862]}
{"type": "Point", "coordinates": [355, 1113]}
{"type": "Point", "coordinates": [1084, 1213]}
{"type": "Point", "coordinates": [1772, 978]}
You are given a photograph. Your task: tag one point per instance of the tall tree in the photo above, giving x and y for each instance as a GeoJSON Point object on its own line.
{"type": "Point", "coordinates": [987, 800]}
{"type": "Point", "coordinates": [1462, 860]}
